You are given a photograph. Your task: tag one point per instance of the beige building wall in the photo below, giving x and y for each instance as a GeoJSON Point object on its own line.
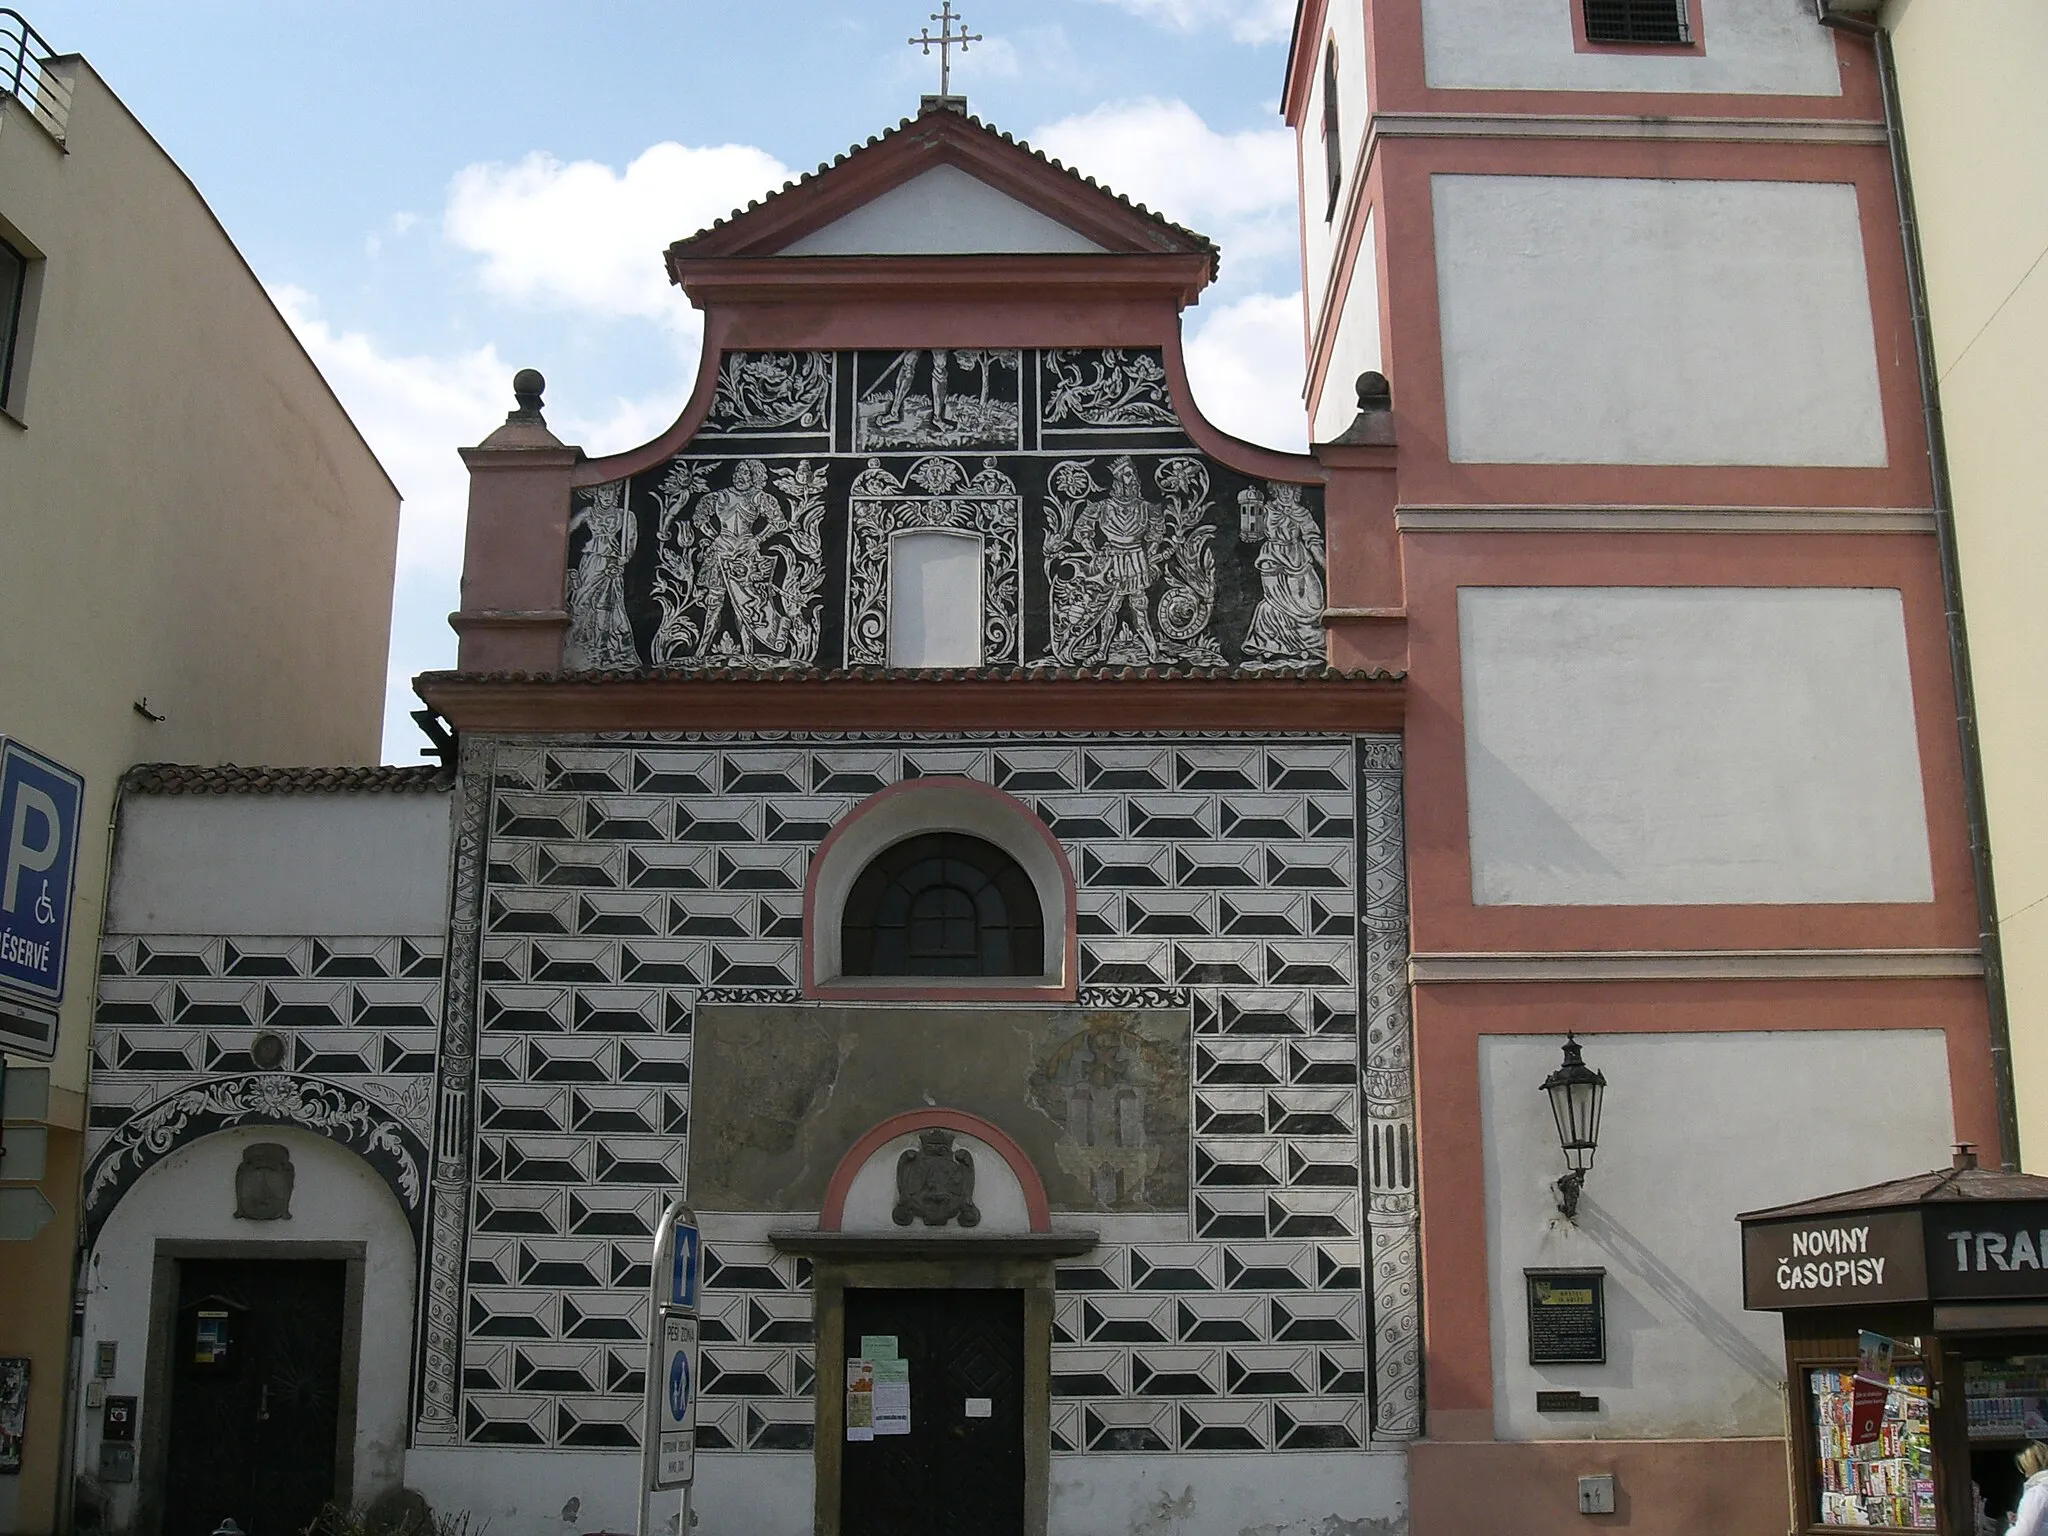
{"type": "Point", "coordinates": [1973, 82]}
{"type": "Point", "coordinates": [191, 520]}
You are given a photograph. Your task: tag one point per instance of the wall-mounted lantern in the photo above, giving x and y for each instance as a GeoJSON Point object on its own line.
{"type": "Point", "coordinates": [1575, 1091]}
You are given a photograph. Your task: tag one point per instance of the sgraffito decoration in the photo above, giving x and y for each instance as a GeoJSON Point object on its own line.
{"type": "Point", "coordinates": [1107, 536]}
{"type": "Point", "coordinates": [935, 493]}
{"type": "Point", "coordinates": [740, 569]}
{"type": "Point", "coordinates": [1132, 576]}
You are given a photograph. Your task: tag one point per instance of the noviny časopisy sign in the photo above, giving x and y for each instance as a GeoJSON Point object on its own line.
{"type": "Point", "coordinates": [1941, 1251]}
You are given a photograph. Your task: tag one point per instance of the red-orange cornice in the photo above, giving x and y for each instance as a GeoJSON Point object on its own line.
{"type": "Point", "coordinates": [839, 280]}
{"type": "Point", "coordinates": [535, 703]}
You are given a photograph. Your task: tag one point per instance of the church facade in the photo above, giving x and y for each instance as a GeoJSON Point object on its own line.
{"type": "Point", "coordinates": [951, 810]}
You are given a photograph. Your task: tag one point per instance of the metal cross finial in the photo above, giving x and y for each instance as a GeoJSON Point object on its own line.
{"type": "Point", "coordinates": [945, 41]}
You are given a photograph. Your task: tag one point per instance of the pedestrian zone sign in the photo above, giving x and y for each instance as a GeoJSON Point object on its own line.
{"type": "Point", "coordinates": [676, 1453]}
{"type": "Point", "coordinates": [40, 804]}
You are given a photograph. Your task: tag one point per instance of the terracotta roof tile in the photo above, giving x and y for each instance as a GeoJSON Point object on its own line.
{"type": "Point", "coordinates": [231, 779]}
{"type": "Point", "coordinates": [1020, 675]}
{"type": "Point", "coordinates": [1193, 238]}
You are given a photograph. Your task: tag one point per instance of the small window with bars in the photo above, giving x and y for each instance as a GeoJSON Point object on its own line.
{"type": "Point", "coordinates": [1637, 21]}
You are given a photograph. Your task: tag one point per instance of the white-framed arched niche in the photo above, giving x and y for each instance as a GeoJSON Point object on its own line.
{"type": "Point", "coordinates": [184, 1206]}
{"type": "Point", "coordinates": [911, 809]}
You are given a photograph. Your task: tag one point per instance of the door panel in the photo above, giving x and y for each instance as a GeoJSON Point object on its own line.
{"type": "Point", "coordinates": [952, 1475]}
{"type": "Point", "coordinates": [255, 1395]}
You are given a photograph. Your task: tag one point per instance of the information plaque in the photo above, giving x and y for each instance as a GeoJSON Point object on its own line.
{"type": "Point", "coordinates": [1567, 1316]}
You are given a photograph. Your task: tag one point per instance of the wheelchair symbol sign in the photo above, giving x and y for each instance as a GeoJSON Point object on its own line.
{"type": "Point", "coordinates": [39, 819]}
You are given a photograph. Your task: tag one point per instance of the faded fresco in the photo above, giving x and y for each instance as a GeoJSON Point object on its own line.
{"type": "Point", "coordinates": [1108, 538]}
{"type": "Point", "coordinates": [1097, 1097]}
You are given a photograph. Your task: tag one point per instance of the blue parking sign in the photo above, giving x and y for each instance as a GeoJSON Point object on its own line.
{"type": "Point", "coordinates": [40, 803]}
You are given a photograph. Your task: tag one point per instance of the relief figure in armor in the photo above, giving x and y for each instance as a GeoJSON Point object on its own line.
{"type": "Point", "coordinates": [1287, 625]}
{"type": "Point", "coordinates": [599, 635]}
{"type": "Point", "coordinates": [740, 569]}
{"type": "Point", "coordinates": [1130, 527]}
{"type": "Point", "coordinates": [1105, 555]}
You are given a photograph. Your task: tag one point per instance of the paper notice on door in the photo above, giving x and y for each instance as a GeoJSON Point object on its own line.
{"type": "Point", "coordinates": [981, 1407]}
{"type": "Point", "coordinates": [860, 1399]}
{"type": "Point", "coordinates": [892, 1397]}
{"type": "Point", "coordinates": [878, 1346]}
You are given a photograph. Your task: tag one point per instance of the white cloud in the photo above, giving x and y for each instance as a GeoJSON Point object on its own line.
{"type": "Point", "coordinates": [1238, 188]}
{"type": "Point", "coordinates": [1245, 366]}
{"type": "Point", "coordinates": [416, 411]}
{"type": "Point", "coordinates": [581, 234]}
{"type": "Point", "coordinates": [1249, 21]}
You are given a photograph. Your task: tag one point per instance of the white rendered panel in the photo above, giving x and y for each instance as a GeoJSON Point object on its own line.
{"type": "Point", "coordinates": [1751, 47]}
{"type": "Point", "coordinates": [1695, 1128]}
{"type": "Point", "coordinates": [1357, 347]}
{"type": "Point", "coordinates": [1606, 320]}
{"type": "Point", "coordinates": [282, 864]}
{"type": "Point", "coordinates": [935, 599]}
{"type": "Point", "coordinates": [1322, 225]}
{"type": "Point", "coordinates": [1684, 745]}
{"type": "Point", "coordinates": [943, 212]}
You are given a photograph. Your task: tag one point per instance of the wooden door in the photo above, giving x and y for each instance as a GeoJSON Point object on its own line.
{"type": "Point", "coordinates": [960, 1470]}
{"type": "Point", "coordinates": [255, 1395]}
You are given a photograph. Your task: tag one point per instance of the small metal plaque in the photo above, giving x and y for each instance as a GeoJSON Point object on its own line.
{"type": "Point", "coordinates": [981, 1407]}
{"type": "Point", "coordinates": [1566, 1402]}
{"type": "Point", "coordinates": [1567, 1316]}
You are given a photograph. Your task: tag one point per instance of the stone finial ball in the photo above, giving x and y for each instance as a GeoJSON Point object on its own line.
{"type": "Point", "coordinates": [528, 381]}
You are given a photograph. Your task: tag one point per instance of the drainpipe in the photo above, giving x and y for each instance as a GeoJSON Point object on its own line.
{"type": "Point", "coordinates": [1860, 21]}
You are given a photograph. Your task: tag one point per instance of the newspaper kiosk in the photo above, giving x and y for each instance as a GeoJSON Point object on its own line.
{"type": "Point", "coordinates": [1947, 1275]}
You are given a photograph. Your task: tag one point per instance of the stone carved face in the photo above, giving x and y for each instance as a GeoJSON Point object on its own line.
{"type": "Point", "coordinates": [263, 1183]}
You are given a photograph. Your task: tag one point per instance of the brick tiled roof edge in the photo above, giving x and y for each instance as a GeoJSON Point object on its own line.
{"type": "Point", "coordinates": [231, 779]}
{"type": "Point", "coordinates": [1022, 675]}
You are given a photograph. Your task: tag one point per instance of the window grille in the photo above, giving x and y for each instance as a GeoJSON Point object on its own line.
{"type": "Point", "coordinates": [1637, 21]}
{"type": "Point", "coordinates": [13, 279]}
{"type": "Point", "coordinates": [1333, 139]}
{"type": "Point", "coordinates": [943, 904]}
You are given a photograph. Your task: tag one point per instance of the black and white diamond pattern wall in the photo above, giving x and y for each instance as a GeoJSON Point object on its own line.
{"type": "Point", "coordinates": [606, 887]}
{"type": "Point", "coordinates": [354, 1023]}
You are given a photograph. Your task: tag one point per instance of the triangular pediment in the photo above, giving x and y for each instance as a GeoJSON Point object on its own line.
{"type": "Point", "coordinates": [944, 211]}
{"type": "Point", "coordinates": [942, 184]}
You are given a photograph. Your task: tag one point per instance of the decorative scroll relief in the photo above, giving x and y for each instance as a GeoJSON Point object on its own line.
{"type": "Point", "coordinates": [278, 1098]}
{"type": "Point", "coordinates": [600, 635]}
{"type": "Point", "coordinates": [764, 542]}
{"type": "Point", "coordinates": [1132, 580]}
{"type": "Point", "coordinates": [763, 392]}
{"type": "Point", "coordinates": [935, 493]}
{"type": "Point", "coordinates": [1286, 627]}
{"type": "Point", "coordinates": [1111, 388]}
{"type": "Point", "coordinates": [740, 572]}
{"type": "Point", "coordinates": [930, 399]}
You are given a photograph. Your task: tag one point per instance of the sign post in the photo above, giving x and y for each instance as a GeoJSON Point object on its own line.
{"type": "Point", "coordinates": [669, 1440]}
{"type": "Point", "coordinates": [40, 802]}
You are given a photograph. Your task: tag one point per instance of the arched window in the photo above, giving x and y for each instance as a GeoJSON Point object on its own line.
{"type": "Point", "coordinates": [942, 904]}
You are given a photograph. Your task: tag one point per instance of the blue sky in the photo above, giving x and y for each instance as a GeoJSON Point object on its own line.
{"type": "Point", "coordinates": [440, 193]}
